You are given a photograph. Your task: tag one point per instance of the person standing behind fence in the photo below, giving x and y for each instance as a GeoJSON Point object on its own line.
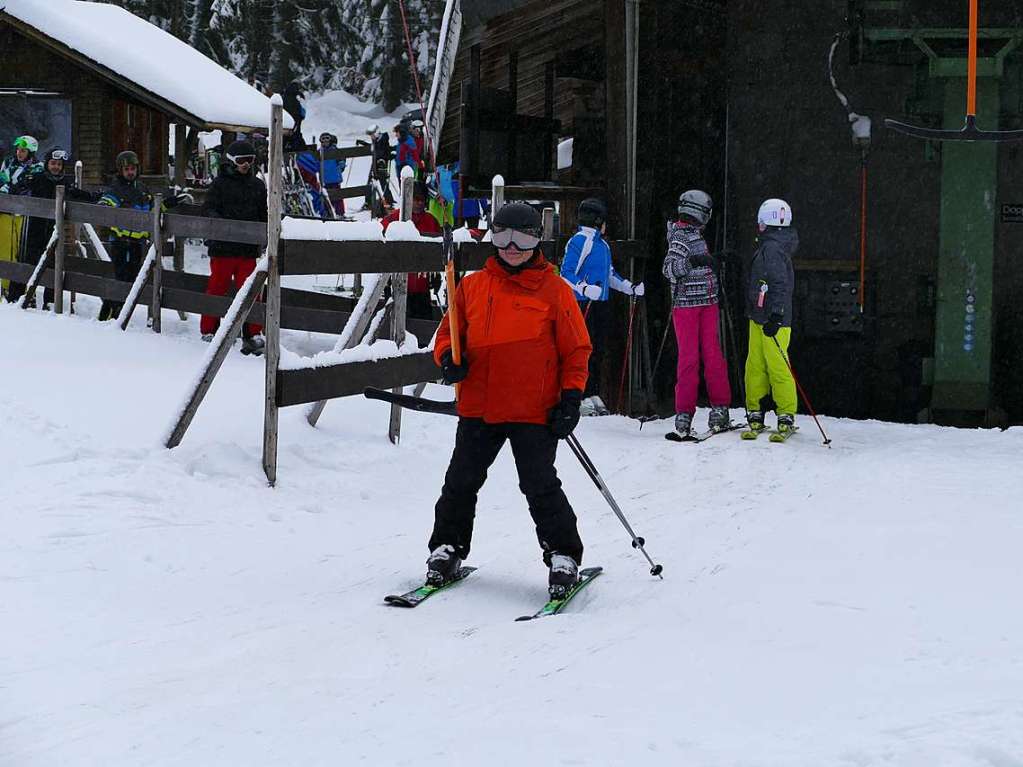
{"type": "Point", "coordinates": [408, 152]}
{"type": "Point", "coordinates": [39, 230]}
{"type": "Point", "coordinates": [333, 170]}
{"type": "Point", "coordinates": [127, 248]}
{"type": "Point", "coordinates": [689, 267]}
{"type": "Point", "coordinates": [419, 304]}
{"type": "Point", "coordinates": [14, 169]}
{"type": "Point", "coordinates": [382, 157]}
{"type": "Point", "coordinates": [588, 269]}
{"type": "Point", "coordinates": [238, 195]}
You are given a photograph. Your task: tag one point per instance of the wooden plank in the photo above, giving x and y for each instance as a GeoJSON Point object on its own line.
{"type": "Point", "coordinates": [58, 251]}
{"type": "Point", "coordinates": [272, 328]}
{"type": "Point", "coordinates": [227, 230]}
{"type": "Point", "coordinates": [104, 215]}
{"type": "Point", "coordinates": [346, 192]}
{"type": "Point", "coordinates": [225, 339]}
{"type": "Point", "coordinates": [399, 299]}
{"type": "Point", "coordinates": [297, 387]}
{"type": "Point", "coordinates": [155, 310]}
{"type": "Point", "coordinates": [361, 257]}
{"type": "Point", "coordinates": [16, 271]}
{"type": "Point", "coordinates": [38, 207]}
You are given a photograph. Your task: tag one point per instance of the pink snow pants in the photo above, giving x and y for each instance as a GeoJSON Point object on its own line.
{"type": "Point", "coordinates": [696, 328]}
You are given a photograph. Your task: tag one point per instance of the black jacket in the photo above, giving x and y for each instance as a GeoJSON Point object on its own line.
{"type": "Point", "coordinates": [772, 269]}
{"type": "Point", "coordinates": [240, 197]}
{"type": "Point", "coordinates": [40, 229]}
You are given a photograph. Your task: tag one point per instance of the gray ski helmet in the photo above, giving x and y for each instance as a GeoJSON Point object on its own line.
{"type": "Point", "coordinates": [519, 216]}
{"type": "Point", "coordinates": [592, 212]}
{"type": "Point", "coordinates": [697, 205]}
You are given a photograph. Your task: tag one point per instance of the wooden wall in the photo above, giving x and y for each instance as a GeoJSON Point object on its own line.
{"type": "Point", "coordinates": [539, 32]}
{"type": "Point", "coordinates": [31, 65]}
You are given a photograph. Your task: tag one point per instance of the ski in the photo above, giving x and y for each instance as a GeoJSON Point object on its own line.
{"type": "Point", "coordinates": [674, 436]}
{"type": "Point", "coordinates": [421, 594]}
{"type": "Point", "coordinates": [555, 606]}
{"type": "Point", "coordinates": [409, 402]}
{"type": "Point", "coordinates": [750, 434]}
{"type": "Point", "coordinates": [782, 436]}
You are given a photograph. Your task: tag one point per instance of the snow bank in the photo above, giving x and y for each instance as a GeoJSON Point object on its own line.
{"type": "Point", "coordinates": [332, 231]}
{"type": "Point", "coordinates": [404, 231]}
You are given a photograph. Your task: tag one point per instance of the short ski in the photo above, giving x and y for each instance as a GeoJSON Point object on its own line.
{"type": "Point", "coordinates": [554, 606]}
{"type": "Point", "coordinates": [414, 597]}
{"type": "Point", "coordinates": [753, 433]}
{"type": "Point", "coordinates": [782, 436]}
{"type": "Point", "coordinates": [674, 436]}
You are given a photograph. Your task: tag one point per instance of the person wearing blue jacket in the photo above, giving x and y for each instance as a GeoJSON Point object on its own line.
{"type": "Point", "coordinates": [588, 269]}
{"type": "Point", "coordinates": [333, 170]}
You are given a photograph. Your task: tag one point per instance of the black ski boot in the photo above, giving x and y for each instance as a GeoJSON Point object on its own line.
{"type": "Point", "coordinates": [442, 565]}
{"type": "Point", "coordinates": [719, 418]}
{"type": "Point", "coordinates": [684, 424]}
{"type": "Point", "coordinates": [563, 576]}
{"type": "Point", "coordinates": [253, 345]}
{"type": "Point", "coordinates": [755, 419]}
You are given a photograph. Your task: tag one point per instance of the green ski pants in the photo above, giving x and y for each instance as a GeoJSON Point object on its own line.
{"type": "Point", "coordinates": [768, 373]}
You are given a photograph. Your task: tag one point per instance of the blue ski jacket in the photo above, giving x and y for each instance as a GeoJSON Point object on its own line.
{"type": "Point", "coordinates": [588, 262]}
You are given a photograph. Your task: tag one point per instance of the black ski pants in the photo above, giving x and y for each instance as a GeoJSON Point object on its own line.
{"type": "Point", "coordinates": [598, 320]}
{"type": "Point", "coordinates": [126, 256]}
{"type": "Point", "coordinates": [534, 448]}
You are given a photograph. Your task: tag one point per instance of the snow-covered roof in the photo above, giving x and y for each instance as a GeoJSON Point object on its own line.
{"type": "Point", "coordinates": [126, 49]}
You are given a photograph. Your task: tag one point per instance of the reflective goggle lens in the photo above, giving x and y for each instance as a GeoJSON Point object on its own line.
{"type": "Point", "coordinates": [504, 238]}
{"type": "Point", "coordinates": [59, 154]}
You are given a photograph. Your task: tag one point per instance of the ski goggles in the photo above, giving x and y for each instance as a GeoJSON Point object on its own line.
{"type": "Point", "coordinates": [504, 237]}
{"type": "Point", "coordinates": [59, 154]}
{"type": "Point", "coordinates": [242, 159]}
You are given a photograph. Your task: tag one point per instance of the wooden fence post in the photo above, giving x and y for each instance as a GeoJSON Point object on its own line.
{"type": "Point", "coordinates": [399, 294]}
{"type": "Point", "coordinates": [155, 305]}
{"type": "Point", "coordinates": [180, 178]}
{"type": "Point", "coordinates": [76, 229]}
{"type": "Point", "coordinates": [272, 330]}
{"type": "Point", "coordinates": [496, 196]}
{"type": "Point", "coordinates": [58, 253]}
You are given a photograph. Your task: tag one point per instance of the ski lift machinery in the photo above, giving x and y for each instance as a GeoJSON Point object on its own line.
{"type": "Point", "coordinates": [960, 371]}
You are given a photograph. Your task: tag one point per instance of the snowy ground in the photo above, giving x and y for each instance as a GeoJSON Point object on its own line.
{"type": "Point", "coordinates": [846, 607]}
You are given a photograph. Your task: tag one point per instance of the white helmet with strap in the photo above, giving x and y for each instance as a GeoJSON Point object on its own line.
{"type": "Point", "coordinates": [774, 212]}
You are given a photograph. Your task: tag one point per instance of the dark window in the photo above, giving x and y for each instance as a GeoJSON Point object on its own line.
{"type": "Point", "coordinates": [46, 116]}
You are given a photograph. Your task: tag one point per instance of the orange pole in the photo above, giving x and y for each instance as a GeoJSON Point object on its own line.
{"type": "Point", "coordinates": [971, 93]}
{"type": "Point", "coordinates": [863, 233]}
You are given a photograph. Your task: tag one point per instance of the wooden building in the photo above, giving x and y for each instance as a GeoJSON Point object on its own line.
{"type": "Point", "coordinates": [95, 79]}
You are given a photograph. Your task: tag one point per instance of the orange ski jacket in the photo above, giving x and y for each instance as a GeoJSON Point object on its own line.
{"type": "Point", "coordinates": [524, 339]}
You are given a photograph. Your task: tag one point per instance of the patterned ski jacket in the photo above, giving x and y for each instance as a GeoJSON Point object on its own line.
{"type": "Point", "coordinates": [525, 341]}
{"type": "Point", "coordinates": [588, 262]}
{"type": "Point", "coordinates": [127, 194]}
{"type": "Point", "coordinates": [15, 176]}
{"type": "Point", "coordinates": [691, 284]}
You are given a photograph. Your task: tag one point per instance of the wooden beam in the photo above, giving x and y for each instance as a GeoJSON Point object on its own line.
{"type": "Point", "coordinates": [399, 297]}
{"type": "Point", "coordinates": [297, 387]}
{"type": "Point", "coordinates": [58, 251]}
{"type": "Point", "coordinates": [221, 346]}
{"type": "Point", "coordinates": [104, 215]}
{"type": "Point", "coordinates": [272, 328]}
{"type": "Point", "coordinates": [363, 257]}
{"type": "Point", "coordinates": [18, 205]}
{"type": "Point", "coordinates": [155, 309]}
{"type": "Point", "coordinates": [248, 232]}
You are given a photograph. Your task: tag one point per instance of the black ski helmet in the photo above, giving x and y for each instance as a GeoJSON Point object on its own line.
{"type": "Point", "coordinates": [592, 212]}
{"type": "Point", "coordinates": [239, 149]}
{"type": "Point", "coordinates": [56, 153]}
{"type": "Point", "coordinates": [126, 158]}
{"type": "Point", "coordinates": [520, 216]}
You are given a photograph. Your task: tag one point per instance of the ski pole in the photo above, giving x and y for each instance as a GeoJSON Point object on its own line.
{"type": "Point", "coordinates": [623, 406]}
{"type": "Point", "coordinates": [637, 542]}
{"type": "Point", "coordinates": [784, 356]}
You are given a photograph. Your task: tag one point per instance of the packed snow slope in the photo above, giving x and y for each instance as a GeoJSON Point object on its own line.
{"type": "Point", "coordinates": [828, 608]}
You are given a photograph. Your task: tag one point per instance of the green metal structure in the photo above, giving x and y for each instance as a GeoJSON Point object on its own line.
{"type": "Point", "coordinates": [962, 365]}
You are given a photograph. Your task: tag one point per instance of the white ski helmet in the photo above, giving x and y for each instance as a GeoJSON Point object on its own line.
{"type": "Point", "coordinates": [373, 129]}
{"type": "Point", "coordinates": [697, 205]}
{"type": "Point", "coordinates": [774, 212]}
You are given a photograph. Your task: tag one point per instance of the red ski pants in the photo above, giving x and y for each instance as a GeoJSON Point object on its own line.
{"type": "Point", "coordinates": [696, 328]}
{"type": "Point", "coordinates": [224, 270]}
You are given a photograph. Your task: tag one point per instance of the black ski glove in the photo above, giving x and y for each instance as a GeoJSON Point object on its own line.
{"type": "Point", "coordinates": [772, 325]}
{"type": "Point", "coordinates": [564, 416]}
{"type": "Point", "coordinates": [453, 373]}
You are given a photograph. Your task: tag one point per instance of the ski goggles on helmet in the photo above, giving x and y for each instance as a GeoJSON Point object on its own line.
{"type": "Point", "coordinates": [242, 159]}
{"type": "Point", "coordinates": [26, 142]}
{"type": "Point", "coordinates": [506, 237]}
{"type": "Point", "coordinates": [60, 154]}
